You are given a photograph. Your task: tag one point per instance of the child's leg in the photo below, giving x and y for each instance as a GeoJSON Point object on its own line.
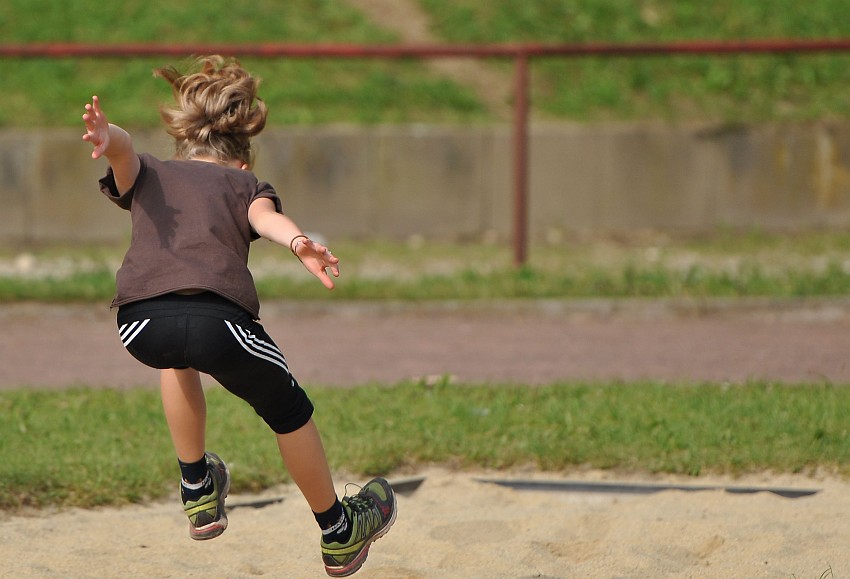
{"type": "Point", "coordinates": [185, 411]}
{"type": "Point", "coordinates": [206, 479]}
{"type": "Point", "coordinates": [304, 457]}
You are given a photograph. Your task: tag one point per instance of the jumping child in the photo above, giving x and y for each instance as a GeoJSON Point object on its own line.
{"type": "Point", "coordinates": [187, 302]}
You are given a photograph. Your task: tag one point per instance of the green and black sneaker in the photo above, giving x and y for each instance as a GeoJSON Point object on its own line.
{"type": "Point", "coordinates": [372, 512]}
{"type": "Point", "coordinates": [207, 518]}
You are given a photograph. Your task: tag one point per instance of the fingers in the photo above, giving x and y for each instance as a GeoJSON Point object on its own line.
{"type": "Point", "coordinates": [96, 127]}
{"type": "Point", "coordinates": [326, 280]}
{"type": "Point", "coordinates": [328, 262]}
{"type": "Point", "coordinates": [98, 151]}
{"type": "Point", "coordinates": [332, 262]}
{"type": "Point", "coordinates": [334, 267]}
{"type": "Point", "coordinates": [321, 273]}
{"type": "Point", "coordinates": [324, 254]}
{"type": "Point", "coordinates": [89, 118]}
{"type": "Point", "coordinates": [93, 109]}
{"type": "Point", "coordinates": [94, 114]}
{"type": "Point", "coordinates": [320, 261]}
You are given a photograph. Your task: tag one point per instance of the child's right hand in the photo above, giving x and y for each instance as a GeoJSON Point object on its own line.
{"type": "Point", "coordinates": [97, 128]}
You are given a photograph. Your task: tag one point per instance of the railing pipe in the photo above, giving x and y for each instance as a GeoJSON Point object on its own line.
{"type": "Point", "coordinates": [520, 143]}
{"type": "Point", "coordinates": [531, 50]}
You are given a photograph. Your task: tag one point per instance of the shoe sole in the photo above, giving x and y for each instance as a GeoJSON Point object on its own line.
{"type": "Point", "coordinates": [357, 563]}
{"type": "Point", "coordinates": [216, 528]}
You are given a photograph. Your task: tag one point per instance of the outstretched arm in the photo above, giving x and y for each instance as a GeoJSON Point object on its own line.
{"type": "Point", "coordinates": [112, 142]}
{"type": "Point", "coordinates": [282, 230]}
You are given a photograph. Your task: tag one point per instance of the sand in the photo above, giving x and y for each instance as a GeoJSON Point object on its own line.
{"type": "Point", "coordinates": [455, 525]}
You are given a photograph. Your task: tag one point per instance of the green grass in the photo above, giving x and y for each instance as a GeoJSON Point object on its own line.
{"type": "Point", "coordinates": [724, 265]}
{"type": "Point", "coordinates": [632, 281]}
{"type": "Point", "coordinates": [738, 88]}
{"type": "Point", "coordinates": [89, 447]}
{"type": "Point", "coordinates": [51, 92]}
{"type": "Point", "coordinates": [746, 88]}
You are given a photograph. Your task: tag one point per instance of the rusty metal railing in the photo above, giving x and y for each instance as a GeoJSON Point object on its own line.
{"type": "Point", "coordinates": [520, 53]}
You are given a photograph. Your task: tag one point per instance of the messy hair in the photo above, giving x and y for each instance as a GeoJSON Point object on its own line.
{"type": "Point", "coordinates": [217, 110]}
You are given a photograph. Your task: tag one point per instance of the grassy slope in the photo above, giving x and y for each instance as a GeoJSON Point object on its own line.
{"type": "Point", "coordinates": [51, 92]}
{"type": "Point", "coordinates": [736, 88]}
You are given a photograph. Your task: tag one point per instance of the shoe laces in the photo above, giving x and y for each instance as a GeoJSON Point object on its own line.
{"type": "Point", "coordinates": [367, 514]}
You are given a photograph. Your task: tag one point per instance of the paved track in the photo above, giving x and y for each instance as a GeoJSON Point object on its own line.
{"type": "Point", "coordinates": [344, 344]}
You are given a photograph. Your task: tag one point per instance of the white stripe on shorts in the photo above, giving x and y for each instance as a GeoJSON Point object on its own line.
{"type": "Point", "coordinates": [257, 347]}
{"type": "Point", "coordinates": [128, 332]}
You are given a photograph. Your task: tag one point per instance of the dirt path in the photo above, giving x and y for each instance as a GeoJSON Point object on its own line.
{"type": "Point", "coordinates": [57, 346]}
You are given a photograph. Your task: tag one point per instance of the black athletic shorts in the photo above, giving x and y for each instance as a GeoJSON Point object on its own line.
{"type": "Point", "coordinates": [215, 336]}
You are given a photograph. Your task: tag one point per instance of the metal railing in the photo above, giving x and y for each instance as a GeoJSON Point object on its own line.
{"type": "Point", "coordinates": [521, 54]}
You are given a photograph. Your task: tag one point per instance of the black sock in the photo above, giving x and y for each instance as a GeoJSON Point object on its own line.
{"type": "Point", "coordinates": [335, 525]}
{"type": "Point", "coordinates": [196, 480]}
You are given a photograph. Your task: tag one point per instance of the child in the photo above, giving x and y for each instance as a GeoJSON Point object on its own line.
{"type": "Point", "coordinates": [187, 302]}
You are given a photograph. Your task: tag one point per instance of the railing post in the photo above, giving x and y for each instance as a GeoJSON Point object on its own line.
{"type": "Point", "coordinates": [520, 146]}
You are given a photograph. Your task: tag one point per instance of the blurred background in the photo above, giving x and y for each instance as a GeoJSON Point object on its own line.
{"type": "Point", "coordinates": [697, 165]}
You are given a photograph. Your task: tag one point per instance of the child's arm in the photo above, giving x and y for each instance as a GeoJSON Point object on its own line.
{"type": "Point", "coordinates": [282, 230]}
{"type": "Point", "coordinates": [114, 143]}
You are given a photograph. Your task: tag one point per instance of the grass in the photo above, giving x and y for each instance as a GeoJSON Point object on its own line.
{"type": "Point", "coordinates": [737, 88]}
{"type": "Point", "coordinates": [51, 92]}
{"type": "Point", "coordinates": [727, 264]}
{"type": "Point", "coordinates": [87, 447]}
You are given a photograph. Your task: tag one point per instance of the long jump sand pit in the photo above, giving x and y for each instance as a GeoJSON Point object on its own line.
{"type": "Point", "coordinates": [454, 525]}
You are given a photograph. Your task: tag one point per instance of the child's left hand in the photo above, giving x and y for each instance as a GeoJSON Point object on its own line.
{"type": "Point", "coordinates": [318, 259]}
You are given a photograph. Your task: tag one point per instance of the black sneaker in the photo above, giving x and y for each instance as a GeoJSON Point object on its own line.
{"type": "Point", "coordinates": [372, 512]}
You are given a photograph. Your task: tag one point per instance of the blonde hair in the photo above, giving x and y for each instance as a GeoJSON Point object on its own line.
{"type": "Point", "coordinates": [217, 110]}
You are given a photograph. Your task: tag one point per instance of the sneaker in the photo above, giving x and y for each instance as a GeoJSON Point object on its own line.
{"type": "Point", "coordinates": [207, 518]}
{"type": "Point", "coordinates": [372, 512]}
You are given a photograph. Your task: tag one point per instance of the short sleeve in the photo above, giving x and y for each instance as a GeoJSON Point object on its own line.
{"type": "Point", "coordinates": [264, 190]}
{"type": "Point", "coordinates": [110, 189]}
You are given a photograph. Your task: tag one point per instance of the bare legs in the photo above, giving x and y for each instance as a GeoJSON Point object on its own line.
{"type": "Point", "coordinates": [302, 451]}
{"type": "Point", "coordinates": [185, 411]}
{"type": "Point", "coordinates": [304, 457]}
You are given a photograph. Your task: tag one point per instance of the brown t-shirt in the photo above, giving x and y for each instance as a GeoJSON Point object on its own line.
{"type": "Point", "coordinates": [190, 230]}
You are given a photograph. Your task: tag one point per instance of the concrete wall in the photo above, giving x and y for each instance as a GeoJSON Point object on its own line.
{"type": "Point", "coordinates": [455, 182]}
